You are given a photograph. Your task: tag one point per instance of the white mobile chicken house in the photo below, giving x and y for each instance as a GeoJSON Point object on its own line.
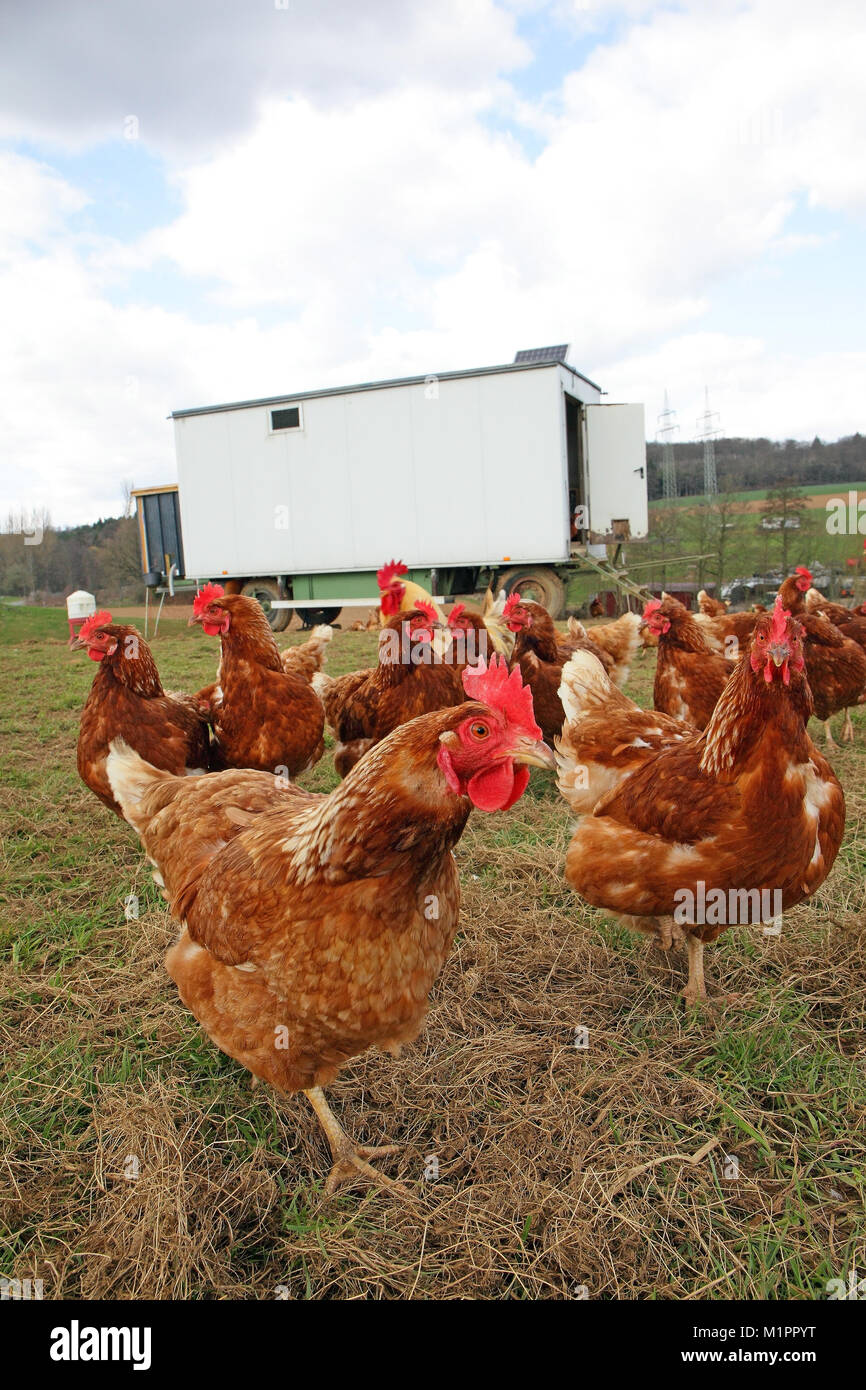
{"type": "Point", "coordinates": [504, 472]}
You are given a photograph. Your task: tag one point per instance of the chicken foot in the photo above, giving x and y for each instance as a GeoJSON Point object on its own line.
{"type": "Point", "coordinates": [350, 1159]}
{"type": "Point", "coordinates": [669, 933]}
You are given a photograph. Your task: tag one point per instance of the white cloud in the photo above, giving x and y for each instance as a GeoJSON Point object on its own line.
{"type": "Point", "coordinates": [34, 205]}
{"type": "Point", "coordinates": [663, 172]}
{"type": "Point", "coordinates": [93, 383]}
{"type": "Point", "coordinates": [398, 227]}
{"type": "Point", "coordinates": [755, 391]}
{"type": "Point", "coordinates": [194, 73]}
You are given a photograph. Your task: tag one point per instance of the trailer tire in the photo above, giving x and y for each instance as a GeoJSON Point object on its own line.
{"type": "Point", "coordinates": [264, 590]}
{"type": "Point", "coordinates": [542, 586]}
{"type": "Point", "coordinates": [312, 617]}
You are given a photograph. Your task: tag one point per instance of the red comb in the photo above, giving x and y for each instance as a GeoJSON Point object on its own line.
{"type": "Point", "coordinates": [428, 609]}
{"type": "Point", "coordinates": [778, 629]}
{"type": "Point", "coordinates": [390, 571]}
{"type": "Point", "coordinates": [511, 603]}
{"type": "Point", "coordinates": [93, 624]}
{"type": "Point", "coordinates": [493, 686]}
{"type": "Point", "coordinates": [804, 579]}
{"type": "Point", "coordinates": [455, 613]}
{"type": "Point", "coordinates": [652, 605]}
{"type": "Point", "coordinates": [205, 597]}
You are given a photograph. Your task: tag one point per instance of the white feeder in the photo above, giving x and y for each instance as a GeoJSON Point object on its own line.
{"type": "Point", "coordinates": [79, 606]}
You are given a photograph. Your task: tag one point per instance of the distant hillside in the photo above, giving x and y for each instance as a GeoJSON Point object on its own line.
{"type": "Point", "coordinates": [104, 557]}
{"type": "Point", "coordinates": [743, 464]}
{"type": "Point", "coordinates": [43, 565]}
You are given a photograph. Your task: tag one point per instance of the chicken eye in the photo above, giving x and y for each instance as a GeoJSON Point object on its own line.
{"type": "Point", "coordinates": [479, 730]}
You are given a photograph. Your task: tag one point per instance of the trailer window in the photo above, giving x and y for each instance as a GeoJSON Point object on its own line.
{"type": "Point", "coordinates": [288, 419]}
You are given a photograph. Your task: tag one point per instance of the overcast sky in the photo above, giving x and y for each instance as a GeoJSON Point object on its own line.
{"type": "Point", "coordinates": [221, 199]}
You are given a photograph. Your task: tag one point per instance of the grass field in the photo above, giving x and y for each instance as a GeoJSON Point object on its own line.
{"type": "Point", "coordinates": [816, 490]}
{"type": "Point", "coordinates": [717, 1153]}
{"type": "Point", "coordinates": [682, 527]}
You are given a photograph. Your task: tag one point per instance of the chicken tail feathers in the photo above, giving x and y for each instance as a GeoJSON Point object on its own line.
{"type": "Point", "coordinates": [620, 639]}
{"type": "Point", "coordinates": [585, 686]}
{"type": "Point", "coordinates": [584, 682]}
{"type": "Point", "coordinates": [322, 683]}
{"type": "Point", "coordinates": [131, 778]}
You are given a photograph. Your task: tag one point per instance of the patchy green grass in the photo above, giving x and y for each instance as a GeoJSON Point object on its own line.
{"type": "Point", "coordinates": [716, 1153]}
{"type": "Point", "coordinates": [760, 493]}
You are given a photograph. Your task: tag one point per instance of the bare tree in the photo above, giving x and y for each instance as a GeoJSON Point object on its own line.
{"type": "Point", "coordinates": [665, 539]}
{"type": "Point", "coordinates": [724, 510]}
{"type": "Point", "coordinates": [786, 502]}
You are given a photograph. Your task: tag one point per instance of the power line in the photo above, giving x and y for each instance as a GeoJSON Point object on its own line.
{"type": "Point", "coordinates": [666, 428]}
{"type": "Point", "coordinates": [708, 428]}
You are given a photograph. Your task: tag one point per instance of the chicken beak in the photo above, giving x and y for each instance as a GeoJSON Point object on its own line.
{"type": "Point", "coordinates": [778, 653]}
{"type": "Point", "coordinates": [196, 618]}
{"type": "Point", "coordinates": [534, 752]}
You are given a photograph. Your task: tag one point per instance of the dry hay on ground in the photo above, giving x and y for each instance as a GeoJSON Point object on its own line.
{"type": "Point", "coordinates": [561, 1168]}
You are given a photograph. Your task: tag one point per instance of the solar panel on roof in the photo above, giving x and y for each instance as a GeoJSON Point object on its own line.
{"type": "Point", "coordinates": [543, 354]}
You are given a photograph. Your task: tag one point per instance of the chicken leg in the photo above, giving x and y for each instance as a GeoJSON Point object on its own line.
{"type": "Point", "coordinates": [848, 728]}
{"type": "Point", "coordinates": [350, 1160]}
{"type": "Point", "coordinates": [669, 933]}
{"type": "Point", "coordinates": [829, 741]}
{"type": "Point", "coordinates": [695, 989]}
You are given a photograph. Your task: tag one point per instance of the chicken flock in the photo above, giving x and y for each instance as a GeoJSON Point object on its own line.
{"type": "Point", "coordinates": [313, 926]}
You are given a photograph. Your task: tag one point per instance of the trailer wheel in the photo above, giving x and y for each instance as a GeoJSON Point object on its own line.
{"type": "Point", "coordinates": [542, 586]}
{"type": "Point", "coordinates": [264, 590]}
{"type": "Point", "coordinates": [311, 617]}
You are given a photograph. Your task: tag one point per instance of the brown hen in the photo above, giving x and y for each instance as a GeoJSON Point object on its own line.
{"type": "Point", "coordinates": [313, 927]}
{"type": "Point", "coordinates": [749, 808]}
{"type": "Point", "coordinates": [127, 701]}
{"type": "Point", "coordinates": [413, 676]}
{"type": "Point", "coordinates": [835, 664]}
{"type": "Point", "coordinates": [263, 716]}
{"type": "Point", "coordinates": [689, 677]}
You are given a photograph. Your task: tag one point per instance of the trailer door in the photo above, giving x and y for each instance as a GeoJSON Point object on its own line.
{"type": "Point", "coordinates": [615, 454]}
